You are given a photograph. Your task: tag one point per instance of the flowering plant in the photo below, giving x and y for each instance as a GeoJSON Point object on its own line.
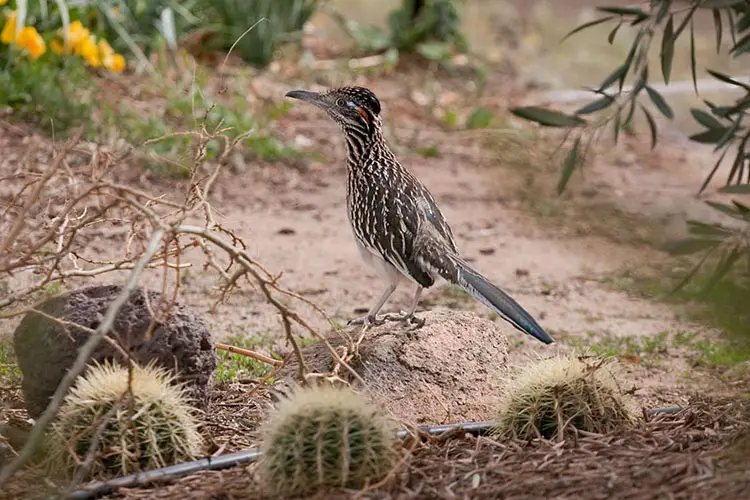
{"type": "Point", "coordinates": [72, 39]}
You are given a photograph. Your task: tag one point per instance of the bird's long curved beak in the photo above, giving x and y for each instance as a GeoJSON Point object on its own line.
{"type": "Point", "coordinates": [305, 95]}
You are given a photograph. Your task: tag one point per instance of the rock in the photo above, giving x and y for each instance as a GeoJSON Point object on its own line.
{"type": "Point", "coordinates": [46, 350]}
{"type": "Point", "coordinates": [450, 370]}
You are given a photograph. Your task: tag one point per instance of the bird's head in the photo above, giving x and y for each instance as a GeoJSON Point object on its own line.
{"type": "Point", "coordinates": [356, 109]}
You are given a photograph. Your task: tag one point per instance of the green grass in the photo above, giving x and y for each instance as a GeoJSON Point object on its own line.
{"type": "Point", "coordinates": [150, 107]}
{"type": "Point", "coordinates": [718, 354]}
{"type": "Point", "coordinates": [233, 367]}
{"type": "Point", "coordinates": [10, 374]}
{"type": "Point", "coordinates": [187, 105]}
{"type": "Point", "coordinates": [723, 306]}
{"type": "Point", "coordinates": [647, 350]}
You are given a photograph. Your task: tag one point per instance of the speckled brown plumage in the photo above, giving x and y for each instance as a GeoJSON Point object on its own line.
{"type": "Point", "coordinates": [398, 227]}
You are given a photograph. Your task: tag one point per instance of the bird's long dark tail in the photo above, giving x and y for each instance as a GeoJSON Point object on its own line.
{"type": "Point", "coordinates": [460, 273]}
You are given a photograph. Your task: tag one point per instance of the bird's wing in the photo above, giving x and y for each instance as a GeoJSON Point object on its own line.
{"type": "Point", "coordinates": [431, 214]}
{"type": "Point", "coordinates": [401, 229]}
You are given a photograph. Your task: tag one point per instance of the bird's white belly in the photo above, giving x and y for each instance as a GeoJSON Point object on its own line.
{"type": "Point", "coordinates": [385, 270]}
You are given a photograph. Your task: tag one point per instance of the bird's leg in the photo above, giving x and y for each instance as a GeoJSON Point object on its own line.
{"type": "Point", "coordinates": [409, 316]}
{"type": "Point", "coordinates": [371, 319]}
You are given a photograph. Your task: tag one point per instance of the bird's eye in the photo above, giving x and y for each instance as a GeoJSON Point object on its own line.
{"type": "Point", "coordinates": [341, 102]}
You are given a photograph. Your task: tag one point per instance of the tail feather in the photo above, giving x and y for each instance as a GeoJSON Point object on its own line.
{"type": "Point", "coordinates": [493, 297]}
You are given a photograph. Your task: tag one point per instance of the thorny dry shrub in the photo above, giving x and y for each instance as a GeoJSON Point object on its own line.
{"type": "Point", "coordinates": [51, 216]}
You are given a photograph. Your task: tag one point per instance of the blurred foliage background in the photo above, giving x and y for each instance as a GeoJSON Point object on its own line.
{"type": "Point", "coordinates": [60, 61]}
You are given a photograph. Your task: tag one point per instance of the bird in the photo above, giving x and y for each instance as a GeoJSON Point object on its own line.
{"type": "Point", "coordinates": [397, 225]}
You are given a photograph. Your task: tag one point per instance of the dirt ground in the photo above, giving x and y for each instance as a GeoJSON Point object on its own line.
{"type": "Point", "coordinates": [558, 265]}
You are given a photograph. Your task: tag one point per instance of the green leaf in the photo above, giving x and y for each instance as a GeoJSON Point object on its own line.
{"type": "Point", "coordinates": [729, 134]}
{"type": "Point", "coordinates": [613, 33]}
{"type": "Point", "coordinates": [705, 119]}
{"type": "Point", "coordinates": [743, 23]}
{"type": "Point", "coordinates": [720, 111]}
{"type": "Point", "coordinates": [689, 276]}
{"type": "Point", "coordinates": [368, 37]}
{"type": "Point", "coordinates": [588, 25]}
{"type": "Point", "coordinates": [729, 210]}
{"type": "Point", "coordinates": [684, 23]}
{"type": "Point", "coordinates": [627, 124]}
{"type": "Point", "coordinates": [727, 79]}
{"type": "Point", "coordinates": [693, 70]}
{"type": "Point", "coordinates": [709, 136]}
{"type": "Point", "coordinates": [618, 74]}
{"type": "Point", "coordinates": [742, 208]}
{"type": "Point", "coordinates": [689, 246]}
{"type": "Point", "coordinates": [623, 11]}
{"type": "Point", "coordinates": [718, 29]}
{"type": "Point", "coordinates": [659, 102]}
{"type": "Point", "coordinates": [480, 118]}
{"type": "Point", "coordinates": [391, 58]}
{"type": "Point", "coordinates": [597, 105]}
{"type": "Point", "coordinates": [667, 49]}
{"type": "Point", "coordinates": [740, 189]}
{"type": "Point", "coordinates": [640, 84]}
{"type": "Point", "coordinates": [651, 125]}
{"type": "Point", "coordinates": [724, 266]}
{"type": "Point", "coordinates": [546, 117]}
{"type": "Point", "coordinates": [713, 172]}
{"type": "Point", "coordinates": [435, 51]}
{"type": "Point", "coordinates": [631, 56]}
{"type": "Point", "coordinates": [699, 228]}
{"type": "Point", "coordinates": [663, 10]}
{"type": "Point", "coordinates": [738, 165]}
{"type": "Point", "coordinates": [741, 46]}
{"type": "Point", "coordinates": [569, 165]}
{"type": "Point", "coordinates": [732, 31]}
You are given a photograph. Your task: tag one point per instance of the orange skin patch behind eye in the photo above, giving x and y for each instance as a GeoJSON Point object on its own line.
{"type": "Point", "coordinates": [364, 113]}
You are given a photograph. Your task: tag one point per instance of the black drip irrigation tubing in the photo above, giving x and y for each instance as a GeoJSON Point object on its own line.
{"type": "Point", "coordinates": [99, 488]}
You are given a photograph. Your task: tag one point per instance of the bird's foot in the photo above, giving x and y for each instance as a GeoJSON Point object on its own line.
{"type": "Point", "coordinates": [367, 321]}
{"type": "Point", "coordinates": [403, 317]}
{"type": "Point", "coordinates": [406, 318]}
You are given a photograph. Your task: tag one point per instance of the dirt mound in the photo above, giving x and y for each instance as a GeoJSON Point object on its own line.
{"type": "Point", "coordinates": [450, 370]}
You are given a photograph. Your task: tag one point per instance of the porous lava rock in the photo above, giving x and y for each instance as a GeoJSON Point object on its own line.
{"type": "Point", "coordinates": [46, 349]}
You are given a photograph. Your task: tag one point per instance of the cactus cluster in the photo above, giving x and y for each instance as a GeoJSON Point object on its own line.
{"type": "Point", "coordinates": [553, 396]}
{"type": "Point", "coordinates": [325, 438]}
{"type": "Point", "coordinates": [145, 426]}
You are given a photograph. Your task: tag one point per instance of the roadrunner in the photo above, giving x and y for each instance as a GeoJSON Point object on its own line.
{"type": "Point", "coordinates": [397, 225]}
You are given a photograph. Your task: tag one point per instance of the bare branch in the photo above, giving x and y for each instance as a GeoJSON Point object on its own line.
{"type": "Point", "coordinates": [37, 433]}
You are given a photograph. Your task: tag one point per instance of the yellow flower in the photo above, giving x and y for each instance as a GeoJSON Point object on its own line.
{"type": "Point", "coordinates": [56, 46]}
{"type": "Point", "coordinates": [78, 37]}
{"type": "Point", "coordinates": [3, 2]}
{"type": "Point", "coordinates": [32, 41]}
{"type": "Point", "coordinates": [8, 35]}
{"type": "Point", "coordinates": [105, 48]}
{"type": "Point", "coordinates": [115, 63]}
{"type": "Point", "coordinates": [90, 52]}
